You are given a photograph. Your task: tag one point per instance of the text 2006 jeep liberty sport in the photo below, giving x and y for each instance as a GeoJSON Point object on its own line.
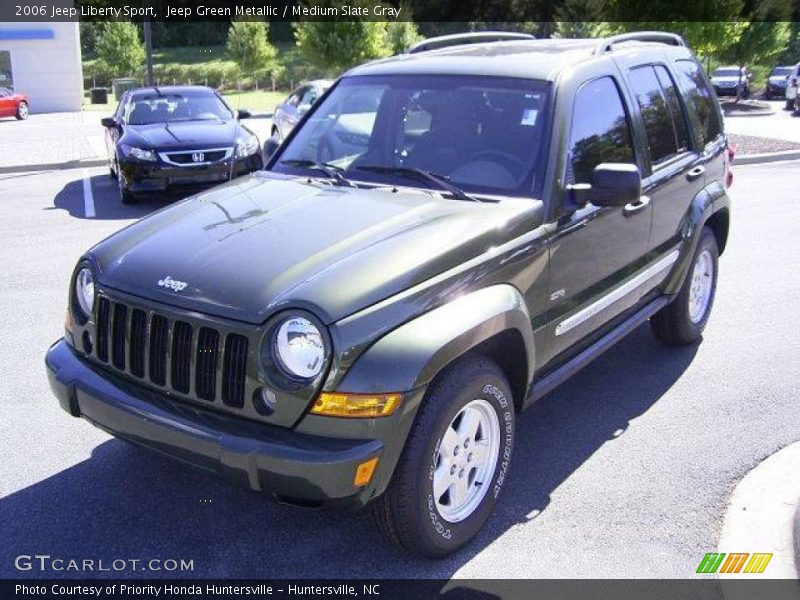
{"type": "Point", "coordinates": [445, 237]}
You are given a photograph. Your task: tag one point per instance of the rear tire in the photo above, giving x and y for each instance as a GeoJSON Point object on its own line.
{"type": "Point", "coordinates": [454, 464]}
{"type": "Point", "coordinates": [684, 319]}
{"type": "Point", "coordinates": [22, 111]}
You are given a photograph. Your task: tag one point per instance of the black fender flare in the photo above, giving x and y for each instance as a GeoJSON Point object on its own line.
{"type": "Point", "coordinates": [710, 201]}
{"type": "Point", "coordinates": [411, 355]}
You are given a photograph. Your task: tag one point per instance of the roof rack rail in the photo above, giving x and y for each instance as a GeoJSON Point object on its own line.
{"type": "Point", "coordinates": [473, 37]}
{"type": "Point", "coordinates": [607, 44]}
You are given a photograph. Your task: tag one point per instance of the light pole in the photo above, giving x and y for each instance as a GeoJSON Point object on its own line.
{"type": "Point", "coordinates": [148, 48]}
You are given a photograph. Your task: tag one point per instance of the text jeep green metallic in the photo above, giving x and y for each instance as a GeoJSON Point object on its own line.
{"type": "Point", "coordinates": [445, 237]}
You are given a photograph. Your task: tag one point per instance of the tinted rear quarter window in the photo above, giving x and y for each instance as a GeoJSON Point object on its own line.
{"type": "Point", "coordinates": [600, 130]}
{"type": "Point", "coordinates": [700, 101]}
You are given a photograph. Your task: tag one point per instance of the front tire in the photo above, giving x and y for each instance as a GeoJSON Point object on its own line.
{"type": "Point", "coordinates": [125, 195]}
{"type": "Point", "coordinates": [454, 464]}
{"type": "Point", "coordinates": [684, 319]}
{"type": "Point", "coordinates": [22, 111]}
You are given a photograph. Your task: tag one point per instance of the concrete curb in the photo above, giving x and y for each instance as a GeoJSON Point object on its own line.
{"type": "Point", "coordinates": [70, 164]}
{"type": "Point", "coordinates": [767, 157]}
{"type": "Point", "coordinates": [762, 516]}
{"type": "Point", "coordinates": [753, 113]}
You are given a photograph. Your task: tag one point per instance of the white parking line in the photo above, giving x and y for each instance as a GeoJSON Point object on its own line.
{"type": "Point", "coordinates": [88, 198]}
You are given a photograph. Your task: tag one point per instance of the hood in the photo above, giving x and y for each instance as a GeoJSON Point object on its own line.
{"type": "Point", "coordinates": [188, 135]}
{"type": "Point", "coordinates": [726, 79]}
{"type": "Point", "coordinates": [261, 243]}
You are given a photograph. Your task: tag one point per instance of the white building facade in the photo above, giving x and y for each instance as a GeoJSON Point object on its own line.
{"type": "Point", "coordinates": [43, 60]}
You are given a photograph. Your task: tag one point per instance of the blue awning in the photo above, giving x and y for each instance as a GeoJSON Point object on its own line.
{"type": "Point", "coordinates": [43, 33]}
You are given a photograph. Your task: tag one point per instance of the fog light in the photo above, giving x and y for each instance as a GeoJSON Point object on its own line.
{"type": "Point", "coordinates": [265, 401]}
{"type": "Point", "coordinates": [356, 405]}
{"type": "Point", "coordinates": [364, 471]}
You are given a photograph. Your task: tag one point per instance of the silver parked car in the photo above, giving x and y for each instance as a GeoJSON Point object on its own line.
{"type": "Point", "coordinates": [288, 112]}
{"type": "Point", "coordinates": [792, 84]}
{"type": "Point", "coordinates": [734, 81]}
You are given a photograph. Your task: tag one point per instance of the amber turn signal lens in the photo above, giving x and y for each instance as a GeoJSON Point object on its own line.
{"type": "Point", "coordinates": [357, 406]}
{"type": "Point", "coordinates": [364, 471]}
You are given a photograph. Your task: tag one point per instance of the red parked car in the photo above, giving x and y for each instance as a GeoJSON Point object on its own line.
{"type": "Point", "coordinates": [13, 104]}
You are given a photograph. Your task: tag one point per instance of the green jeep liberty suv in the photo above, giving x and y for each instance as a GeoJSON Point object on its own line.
{"type": "Point", "coordinates": [446, 236]}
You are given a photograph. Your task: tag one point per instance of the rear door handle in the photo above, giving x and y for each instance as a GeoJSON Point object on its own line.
{"type": "Point", "coordinates": [695, 173]}
{"type": "Point", "coordinates": [636, 207]}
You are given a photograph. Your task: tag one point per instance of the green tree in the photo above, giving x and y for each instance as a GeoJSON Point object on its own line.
{"type": "Point", "coordinates": [248, 45]}
{"type": "Point", "coordinates": [118, 47]}
{"type": "Point", "coordinates": [760, 43]}
{"type": "Point", "coordinates": [403, 34]}
{"type": "Point", "coordinates": [333, 46]}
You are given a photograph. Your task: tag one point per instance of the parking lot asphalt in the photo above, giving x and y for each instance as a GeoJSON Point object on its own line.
{"type": "Point", "coordinates": [624, 471]}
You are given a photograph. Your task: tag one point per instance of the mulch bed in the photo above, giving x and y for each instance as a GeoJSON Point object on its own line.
{"type": "Point", "coordinates": [750, 144]}
{"type": "Point", "coordinates": [743, 106]}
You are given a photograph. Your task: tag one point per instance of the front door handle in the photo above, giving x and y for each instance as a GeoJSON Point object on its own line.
{"type": "Point", "coordinates": [636, 207]}
{"type": "Point", "coordinates": [695, 173]}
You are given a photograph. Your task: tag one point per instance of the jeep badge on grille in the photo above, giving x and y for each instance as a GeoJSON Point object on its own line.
{"type": "Point", "coordinates": [169, 282]}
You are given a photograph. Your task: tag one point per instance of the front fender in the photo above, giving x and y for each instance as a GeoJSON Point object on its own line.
{"type": "Point", "coordinates": [411, 355]}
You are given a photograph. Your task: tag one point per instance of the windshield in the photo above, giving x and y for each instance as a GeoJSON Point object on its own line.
{"type": "Point", "coordinates": [777, 71]}
{"type": "Point", "coordinates": [168, 108]}
{"type": "Point", "coordinates": [482, 134]}
{"type": "Point", "coordinates": [726, 73]}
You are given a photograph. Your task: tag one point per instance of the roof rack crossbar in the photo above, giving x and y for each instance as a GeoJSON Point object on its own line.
{"type": "Point", "coordinates": [607, 44]}
{"type": "Point", "coordinates": [474, 37]}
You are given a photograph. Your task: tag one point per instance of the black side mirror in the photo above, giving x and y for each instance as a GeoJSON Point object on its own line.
{"type": "Point", "coordinates": [613, 184]}
{"type": "Point", "coordinates": [108, 122]}
{"type": "Point", "coordinates": [270, 148]}
{"type": "Point", "coordinates": [243, 114]}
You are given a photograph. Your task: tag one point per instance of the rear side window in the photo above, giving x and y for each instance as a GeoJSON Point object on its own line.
{"type": "Point", "coordinates": [699, 100]}
{"type": "Point", "coordinates": [655, 114]}
{"type": "Point", "coordinates": [600, 130]}
{"type": "Point", "coordinates": [661, 112]}
{"type": "Point", "coordinates": [675, 108]}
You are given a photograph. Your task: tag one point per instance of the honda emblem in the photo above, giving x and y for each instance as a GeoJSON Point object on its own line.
{"type": "Point", "coordinates": [198, 157]}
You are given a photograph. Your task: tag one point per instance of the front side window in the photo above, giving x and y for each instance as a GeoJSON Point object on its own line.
{"type": "Point", "coordinates": [600, 130]}
{"type": "Point", "coordinates": [482, 134]}
{"type": "Point", "coordinates": [700, 101]}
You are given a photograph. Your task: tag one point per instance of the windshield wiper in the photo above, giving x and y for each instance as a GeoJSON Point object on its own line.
{"type": "Point", "coordinates": [332, 171]}
{"type": "Point", "coordinates": [421, 175]}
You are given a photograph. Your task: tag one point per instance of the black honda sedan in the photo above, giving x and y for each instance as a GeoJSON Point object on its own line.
{"type": "Point", "coordinates": [177, 137]}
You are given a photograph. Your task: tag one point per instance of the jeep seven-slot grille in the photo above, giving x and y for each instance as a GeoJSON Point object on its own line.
{"type": "Point", "coordinates": [172, 353]}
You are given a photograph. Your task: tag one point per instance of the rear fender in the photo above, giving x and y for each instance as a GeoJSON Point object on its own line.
{"type": "Point", "coordinates": [710, 201]}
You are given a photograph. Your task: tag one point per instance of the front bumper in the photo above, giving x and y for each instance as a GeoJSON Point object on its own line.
{"type": "Point", "coordinates": [141, 177]}
{"type": "Point", "coordinates": [294, 467]}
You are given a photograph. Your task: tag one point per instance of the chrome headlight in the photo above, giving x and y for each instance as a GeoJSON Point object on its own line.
{"type": "Point", "coordinates": [84, 291]}
{"type": "Point", "coordinates": [247, 146]}
{"type": "Point", "coordinates": [139, 153]}
{"type": "Point", "coordinates": [299, 348]}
